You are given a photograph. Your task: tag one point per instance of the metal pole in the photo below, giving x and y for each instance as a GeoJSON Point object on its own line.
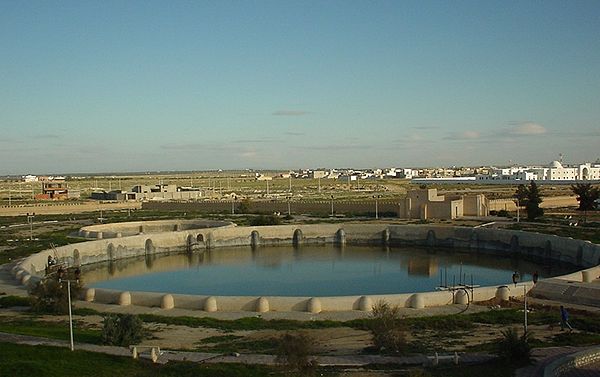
{"type": "Point", "coordinates": [70, 314]}
{"type": "Point", "coordinates": [331, 205]}
{"type": "Point", "coordinates": [376, 210]}
{"type": "Point", "coordinates": [517, 210]}
{"type": "Point", "coordinates": [525, 306]}
{"type": "Point", "coordinates": [289, 208]}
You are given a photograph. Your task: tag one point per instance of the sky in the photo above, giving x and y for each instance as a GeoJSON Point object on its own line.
{"type": "Point", "coordinates": [117, 86]}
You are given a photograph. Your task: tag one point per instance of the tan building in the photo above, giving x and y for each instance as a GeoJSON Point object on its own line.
{"type": "Point", "coordinates": [427, 204]}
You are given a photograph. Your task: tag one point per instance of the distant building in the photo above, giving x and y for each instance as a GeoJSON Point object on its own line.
{"type": "Point", "coordinates": [554, 172]}
{"type": "Point", "coordinates": [146, 192]}
{"type": "Point", "coordinates": [316, 174]}
{"type": "Point", "coordinates": [262, 177]}
{"type": "Point", "coordinates": [427, 204]}
{"type": "Point", "coordinates": [57, 189]}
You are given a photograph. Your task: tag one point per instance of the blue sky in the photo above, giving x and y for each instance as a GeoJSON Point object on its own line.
{"type": "Point", "coordinates": [97, 86]}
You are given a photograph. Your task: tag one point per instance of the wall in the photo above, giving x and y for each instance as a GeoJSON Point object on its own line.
{"type": "Point", "coordinates": [550, 247]}
{"type": "Point", "coordinates": [318, 208]}
{"type": "Point", "coordinates": [115, 230]}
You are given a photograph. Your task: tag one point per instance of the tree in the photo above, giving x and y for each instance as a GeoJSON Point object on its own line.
{"type": "Point", "coordinates": [533, 202]}
{"type": "Point", "coordinates": [50, 296]}
{"type": "Point", "coordinates": [586, 195]}
{"type": "Point", "coordinates": [244, 206]}
{"type": "Point", "coordinates": [521, 195]}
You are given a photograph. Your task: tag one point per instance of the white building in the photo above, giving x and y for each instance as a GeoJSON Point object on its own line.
{"type": "Point", "coordinates": [554, 172]}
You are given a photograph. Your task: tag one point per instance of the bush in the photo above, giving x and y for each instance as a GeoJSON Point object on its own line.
{"type": "Point", "coordinates": [122, 329]}
{"type": "Point", "coordinates": [514, 348]}
{"type": "Point", "coordinates": [294, 353]}
{"type": "Point", "coordinates": [387, 328]}
{"type": "Point", "coordinates": [265, 220]}
{"type": "Point", "coordinates": [50, 296]}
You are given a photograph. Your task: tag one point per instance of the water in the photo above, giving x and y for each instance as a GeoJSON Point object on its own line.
{"type": "Point", "coordinates": [311, 271]}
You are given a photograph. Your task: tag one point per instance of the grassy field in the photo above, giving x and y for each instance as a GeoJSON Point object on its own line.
{"type": "Point", "coordinates": [22, 360]}
{"type": "Point", "coordinates": [215, 184]}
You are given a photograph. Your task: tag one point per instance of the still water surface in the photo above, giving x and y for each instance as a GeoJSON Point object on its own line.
{"type": "Point", "coordinates": [311, 271]}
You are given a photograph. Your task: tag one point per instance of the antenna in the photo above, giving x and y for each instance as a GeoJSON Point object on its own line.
{"type": "Point", "coordinates": [560, 158]}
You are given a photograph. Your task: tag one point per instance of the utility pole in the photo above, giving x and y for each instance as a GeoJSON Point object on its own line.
{"type": "Point", "coordinates": [525, 307]}
{"type": "Point", "coordinates": [331, 205]}
{"type": "Point", "coordinates": [376, 197]}
{"type": "Point", "coordinates": [30, 217]}
{"type": "Point", "coordinates": [69, 281]}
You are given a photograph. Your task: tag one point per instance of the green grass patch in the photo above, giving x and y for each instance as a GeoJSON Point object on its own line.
{"type": "Point", "coordinates": [441, 323]}
{"type": "Point", "coordinates": [12, 301]}
{"type": "Point", "coordinates": [249, 323]}
{"type": "Point", "coordinates": [51, 330]}
{"type": "Point", "coordinates": [25, 248]}
{"type": "Point", "coordinates": [494, 368]}
{"type": "Point", "coordinates": [574, 339]}
{"type": "Point", "coordinates": [238, 344]}
{"type": "Point", "coordinates": [220, 338]}
{"type": "Point", "coordinates": [22, 360]}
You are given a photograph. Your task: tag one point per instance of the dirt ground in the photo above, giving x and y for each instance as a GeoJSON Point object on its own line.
{"type": "Point", "coordinates": [330, 341]}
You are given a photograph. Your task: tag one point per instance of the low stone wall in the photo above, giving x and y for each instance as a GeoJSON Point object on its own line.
{"type": "Point", "coordinates": [118, 230]}
{"type": "Point", "coordinates": [385, 207]}
{"type": "Point", "coordinates": [550, 247]}
{"type": "Point", "coordinates": [564, 365]}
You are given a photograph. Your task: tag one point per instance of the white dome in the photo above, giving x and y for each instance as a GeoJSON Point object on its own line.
{"type": "Point", "coordinates": [556, 164]}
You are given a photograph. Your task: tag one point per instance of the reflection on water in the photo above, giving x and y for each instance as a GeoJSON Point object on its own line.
{"type": "Point", "coordinates": [310, 271]}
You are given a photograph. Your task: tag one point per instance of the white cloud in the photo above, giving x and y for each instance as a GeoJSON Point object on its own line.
{"type": "Point", "coordinates": [465, 135]}
{"type": "Point", "coordinates": [526, 129]}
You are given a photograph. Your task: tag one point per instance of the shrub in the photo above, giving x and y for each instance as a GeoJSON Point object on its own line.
{"type": "Point", "coordinates": [265, 220]}
{"type": "Point", "coordinates": [387, 328]}
{"type": "Point", "coordinates": [294, 353]}
{"type": "Point", "coordinates": [244, 206]}
{"type": "Point", "coordinates": [514, 348]}
{"type": "Point", "coordinates": [122, 329]}
{"type": "Point", "coordinates": [50, 296]}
